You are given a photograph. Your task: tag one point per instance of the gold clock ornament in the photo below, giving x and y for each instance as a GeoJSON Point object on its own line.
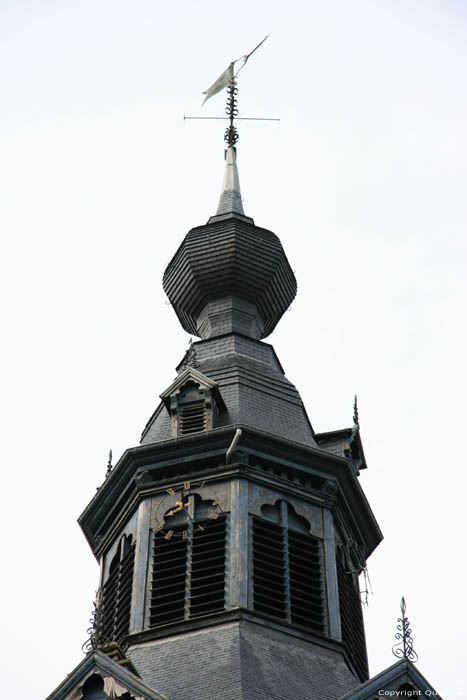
{"type": "Point", "coordinates": [174, 521]}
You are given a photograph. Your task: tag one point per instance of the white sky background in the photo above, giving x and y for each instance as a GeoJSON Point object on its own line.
{"type": "Point", "coordinates": [364, 181]}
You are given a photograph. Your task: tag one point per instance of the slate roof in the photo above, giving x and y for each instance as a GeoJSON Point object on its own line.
{"type": "Point", "coordinates": [242, 661]}
{"type": "Point", "coordinates": [230, 256]}
{"type": "Point", "coordinates": [253, 387]}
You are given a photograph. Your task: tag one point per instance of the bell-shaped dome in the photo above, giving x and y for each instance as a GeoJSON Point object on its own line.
{"type": "Point", "coordinates": [230, 276]}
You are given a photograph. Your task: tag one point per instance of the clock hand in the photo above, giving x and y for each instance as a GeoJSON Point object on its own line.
{"type": "Point", "coordinates": [180, 505]}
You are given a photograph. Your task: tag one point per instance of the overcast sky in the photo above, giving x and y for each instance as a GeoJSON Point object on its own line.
{"type": "Point", "coordinates": [364, 180]}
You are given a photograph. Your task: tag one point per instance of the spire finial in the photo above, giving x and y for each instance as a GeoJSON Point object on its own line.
{"type": "Point", "coordinates": [403, 649]}
{"type": "Point", "coordinates": [109, 464]}
{"type": "Point", "coordinates": [356, 421]}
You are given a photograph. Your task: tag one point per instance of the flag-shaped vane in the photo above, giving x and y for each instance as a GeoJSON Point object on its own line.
{"type": "Point", "coordinates": [228, 76]}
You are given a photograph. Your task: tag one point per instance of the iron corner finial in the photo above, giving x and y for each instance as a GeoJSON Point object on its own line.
{"type": "Point", "coordinates": [403, 649]}
{"type": "Point", "coordinates": [356, 420]}
{"type": "Point", "coordinates": [109, 464]}
{"type": "Point", "coordinates": [96, 627]}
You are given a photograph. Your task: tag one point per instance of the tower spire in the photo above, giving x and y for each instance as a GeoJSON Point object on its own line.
{"type": "Point", "coordinates": [231, 199]}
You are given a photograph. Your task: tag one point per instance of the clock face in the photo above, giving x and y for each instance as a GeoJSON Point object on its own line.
{"type": "Point", "coordinates": [182, 509]}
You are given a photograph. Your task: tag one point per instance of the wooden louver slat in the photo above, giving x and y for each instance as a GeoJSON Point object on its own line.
{"type": "Point", "coordinates": [306, 596]}
{"type": "Point", "coordinates": [116, 600]}
{"type": "Point", "coordinates": [207, 585]}
{"type": "Point", "coordinates": [188, 573]}
{"type": "Point", "coordinates": [192, 417]}
{"type": "Point", "coordinates": [168, 578]}
{"type": "Point", "coordinates": [269, 592]}
{"type": "Point", "coordinates": [287, 575]}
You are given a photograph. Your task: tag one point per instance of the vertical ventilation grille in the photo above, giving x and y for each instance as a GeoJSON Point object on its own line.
{"type": "Point", "coordinates": [269, 592]}
{"type": "Point", "coordinates": [353, 633]}
{"type": "Point", "coordinates": [306, 585]}
{"type": "Point", "coordinates": [116, 599]}
{"type": "Point", "coordinates": [208, 567]}
{"type": "Point", "coordinates": [188, 577]}
{"type": "Point", "coordinates": [287, 575]}
{"type": "Point", "coordinates": [168, 577]}
{"type": "Point", "coordinates": [192, 417]}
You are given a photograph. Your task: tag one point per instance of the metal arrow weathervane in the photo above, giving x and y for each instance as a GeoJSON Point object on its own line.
{"type": "Point", "coordinates": [228, 79]}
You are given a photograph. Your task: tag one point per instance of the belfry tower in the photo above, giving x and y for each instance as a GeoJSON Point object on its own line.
{"type": "Point", "coordinates": [231, 539]}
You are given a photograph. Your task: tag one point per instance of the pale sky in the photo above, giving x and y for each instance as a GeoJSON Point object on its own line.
{"type": "Point", "coordinates": [364, 180]}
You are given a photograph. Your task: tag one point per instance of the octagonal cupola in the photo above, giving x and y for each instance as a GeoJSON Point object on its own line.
{"type": "Point", "coordinates": [230, 276]}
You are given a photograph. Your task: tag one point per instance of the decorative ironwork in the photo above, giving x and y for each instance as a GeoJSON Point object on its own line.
{"type": "Point", "coordinates": [109, 464]}
{"type": "Point", "coordinates": [231, 135]}
{"type": "Point", "coordinates": [403, 649]}
{"type": "Point", "coordinates": [356, 421]}
{"type": "Point", "coordinates": [96, 627]}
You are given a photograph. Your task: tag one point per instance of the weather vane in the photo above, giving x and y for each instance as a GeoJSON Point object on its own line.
{"type": "Point", "coordinates": [228, 79]}
{"type": "Point", "coordinates": [403, 649]}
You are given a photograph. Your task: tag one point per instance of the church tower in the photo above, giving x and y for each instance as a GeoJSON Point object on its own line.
{"type": "Point", "coordinates": [231, 539]}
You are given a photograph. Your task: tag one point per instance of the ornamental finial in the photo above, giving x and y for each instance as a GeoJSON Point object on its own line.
{"type": "Point", "coordinates": [109, 464]}
{"type": "Point", "coordinates": [403, 649]}
{"type": "Point", "coordinates": [190, 357]}
{"type": "Point", "coordinates": [356, 421]}
{"type": "Point", "coordinates": [96, 629]}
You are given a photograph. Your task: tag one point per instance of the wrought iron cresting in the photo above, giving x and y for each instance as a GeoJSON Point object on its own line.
{"type": "Point", "coordinates": [403, 649]}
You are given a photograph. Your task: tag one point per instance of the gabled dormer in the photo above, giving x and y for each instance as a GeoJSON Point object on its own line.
{"type": "Point", "coordinates": [193, 402]}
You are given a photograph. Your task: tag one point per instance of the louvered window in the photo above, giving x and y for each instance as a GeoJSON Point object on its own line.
{"type": "Point", "coordinates": [192, 417]}
{"type": "Point", "coordinates": [188, 578]}
{"type": "Point", "coordinates": [306, 596]}
{"type": "Point", "coordinates": [287, 575]}
{"type": "Point", "coordinates": [117, 594]}
{"type": "Point", "coordinates": [350, 608]}
{"type": "Point", "coordinates": [269, 589]}
{"type": "Point", "coordinates": [168, 578]}
{"type": "Point", "coordinates": [208, 568]}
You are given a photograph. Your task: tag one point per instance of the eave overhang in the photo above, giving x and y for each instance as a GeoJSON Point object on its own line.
{"type": "Point", "coordinates": [131, 479]}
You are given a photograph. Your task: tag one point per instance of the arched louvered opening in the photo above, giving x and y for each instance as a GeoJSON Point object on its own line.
{"type": "Point", "coordinates": [287, 570]}
{"type": "Point", "coordinates": [350, 608]}
{"type": "Point", "coordinates": [188, 573]}
{"type": "Point", "coordinates": [117, 594]}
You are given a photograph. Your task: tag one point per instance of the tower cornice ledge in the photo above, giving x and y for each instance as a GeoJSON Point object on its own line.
{"type": "Point", "coordinates": [148, 468]}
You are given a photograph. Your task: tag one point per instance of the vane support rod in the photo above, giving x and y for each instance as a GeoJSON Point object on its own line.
{"type": "Point", "coordinates": [250, 119]}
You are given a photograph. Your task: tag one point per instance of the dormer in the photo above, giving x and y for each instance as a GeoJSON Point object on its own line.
{"type": "Point", "coordinates": [193, 402]}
